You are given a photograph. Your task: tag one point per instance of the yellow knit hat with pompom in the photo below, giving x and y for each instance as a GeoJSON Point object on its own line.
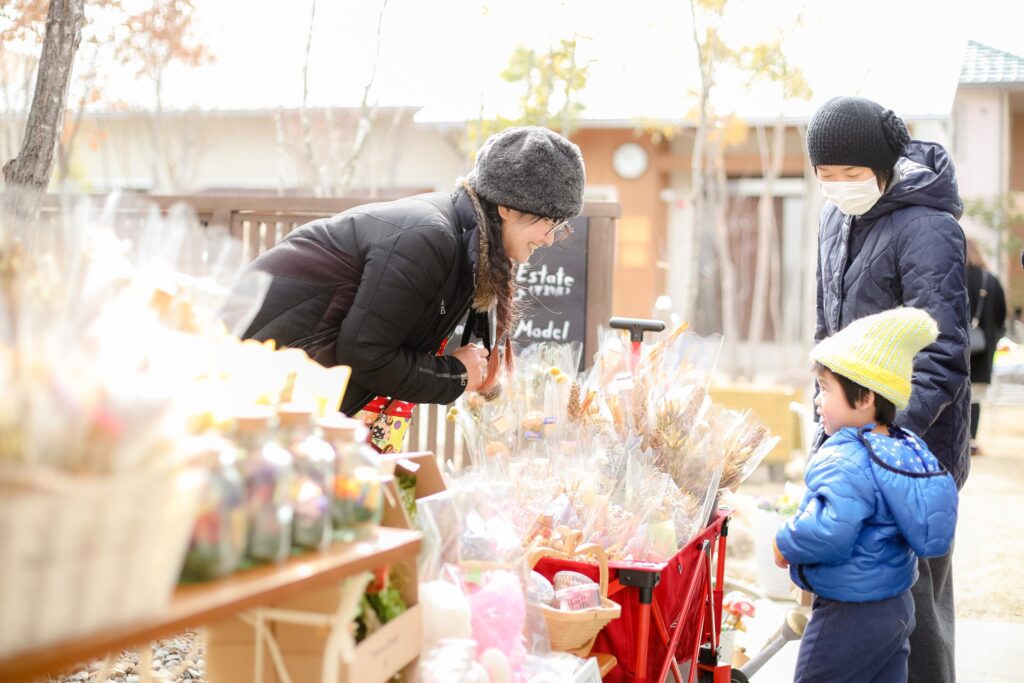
{"type": "Point", "coordinates": [877, 352]}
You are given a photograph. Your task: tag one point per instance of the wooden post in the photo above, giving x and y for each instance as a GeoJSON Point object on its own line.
{"type": "Point", "coordinates": [600, 269]}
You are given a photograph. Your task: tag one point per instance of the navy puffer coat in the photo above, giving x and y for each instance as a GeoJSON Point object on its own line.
{"type": "Point", "coordinates": [909, 250]}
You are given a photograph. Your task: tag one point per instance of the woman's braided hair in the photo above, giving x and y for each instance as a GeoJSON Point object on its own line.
{"type": "Point", "coordinates": [506, 309]}
{"type": "Point", "coordinates": [495, 286]}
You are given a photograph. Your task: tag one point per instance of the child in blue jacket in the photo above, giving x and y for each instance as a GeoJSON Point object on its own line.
{"type": "Point", "coordinates": [876, 499]}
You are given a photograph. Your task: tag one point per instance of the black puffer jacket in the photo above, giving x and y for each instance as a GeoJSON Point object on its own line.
{"type": "Point", "coordinates": [992, 319]}
{"type": "Point", "coordinates": [909, 250]}
{"type": "Point", "coordinates": [377, 288]}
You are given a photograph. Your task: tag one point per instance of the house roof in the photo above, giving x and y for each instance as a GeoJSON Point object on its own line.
{"type": "Point", "coordinates": [984, 65]}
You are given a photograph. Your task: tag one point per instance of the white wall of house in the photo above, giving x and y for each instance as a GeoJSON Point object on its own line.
{"type": "Point", "coordinates": [251, 151]}
{"type": "Point", "coordinates": [981, 141]}
{"type": "Point", "coordinates": [981, 152]}
{"type": "Point", "coordinates": [933, 130]}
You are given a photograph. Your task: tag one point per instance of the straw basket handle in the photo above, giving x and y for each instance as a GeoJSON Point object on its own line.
{"type": "Point", "coordinates": [592, 549]}
{"type": "Point", "coordinates": [572, 540]}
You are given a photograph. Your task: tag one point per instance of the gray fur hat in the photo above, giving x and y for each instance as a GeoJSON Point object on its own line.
{"type": "Point", "coordinates": [531, 169]}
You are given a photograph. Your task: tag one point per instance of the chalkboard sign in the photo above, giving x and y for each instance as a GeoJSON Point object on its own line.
{"type": "Point", "coordinates": [553, 291]}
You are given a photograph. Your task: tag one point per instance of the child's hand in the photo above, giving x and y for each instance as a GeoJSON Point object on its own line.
{"type": "Point", "coordinates": [780, 561]}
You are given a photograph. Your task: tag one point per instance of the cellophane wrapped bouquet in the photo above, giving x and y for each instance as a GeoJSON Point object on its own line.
{"type": "Point", "coordinates": [110, 316]}
{"type": "Point", "coordinates": [631, 453]}
{"type": "Point", "coordinates": [476, 592]}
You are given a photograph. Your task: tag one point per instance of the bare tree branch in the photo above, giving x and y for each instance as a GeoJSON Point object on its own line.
{"type": "Point", "coordinates": [307, 126]}
{"type": "Point", "coordinates": [66, 143]}
{"type": "Point", "coordinates": [366, 114]}
{"type": "Point", "coordinates": [279, 139]}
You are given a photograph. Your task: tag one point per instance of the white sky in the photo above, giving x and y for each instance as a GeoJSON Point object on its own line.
{"type": "Point", "coordinates": [446, 55]}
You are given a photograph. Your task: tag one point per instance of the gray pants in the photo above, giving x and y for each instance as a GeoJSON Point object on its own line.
{"type": "Point", "coordinates": [931, 643]}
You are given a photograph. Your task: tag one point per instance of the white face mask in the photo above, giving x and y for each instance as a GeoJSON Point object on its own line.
{"type": "Point", "coordinates": [855, 197]}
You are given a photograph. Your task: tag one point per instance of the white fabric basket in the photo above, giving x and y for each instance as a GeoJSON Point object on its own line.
{"type": "Point", "coordinates": [78, 554]}
{"type": "Point", "coordinates": [772, 579]}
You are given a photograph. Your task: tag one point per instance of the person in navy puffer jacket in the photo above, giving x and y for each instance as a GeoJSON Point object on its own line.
{"type": "Point", "coordinates": [889, 237]}
{"type": "Point", "coordinates": [876, 500]}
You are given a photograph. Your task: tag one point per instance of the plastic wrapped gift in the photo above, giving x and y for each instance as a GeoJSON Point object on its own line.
{"type": "Point", "coordinates": [314, 477]}
{"type": "Point", "coordinates": [539, 590]}
{"type": "Point", "coordinates": [219, 535]}
{"type": "Point", "coordinates": [358, 501]}
{"type": "Point", "coordinates": [269, 481]}
{"type": "Point", "coordinates": [578, 597]}
{"type": "Point", "coordinates": [568, 579]}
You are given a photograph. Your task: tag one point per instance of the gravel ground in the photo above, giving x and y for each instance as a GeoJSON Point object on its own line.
{"type": "Point", "coordinates": [177, 659]}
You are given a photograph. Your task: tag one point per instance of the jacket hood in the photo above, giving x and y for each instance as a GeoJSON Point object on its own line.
{"type": "Point", "coordinates": [920, 493]}
{"type": "Point", "coordinates": [926, 178]}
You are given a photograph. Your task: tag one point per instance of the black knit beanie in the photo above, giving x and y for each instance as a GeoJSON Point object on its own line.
{"type": "Point", "coordinates": [531, 169]}
{"type": "Point", "coordinates": [853, 131]}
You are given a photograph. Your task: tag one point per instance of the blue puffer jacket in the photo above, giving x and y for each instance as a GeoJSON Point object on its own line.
{"type": "Point", "coordinates": [873, 504]}
{"type": "Point", "coordinates": [909, 250]}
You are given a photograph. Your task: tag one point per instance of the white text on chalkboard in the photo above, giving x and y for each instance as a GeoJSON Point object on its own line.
{"type": "Point", "coordinates": [542, 276]}
{"type": "Point", "coordinates": [527, 329]}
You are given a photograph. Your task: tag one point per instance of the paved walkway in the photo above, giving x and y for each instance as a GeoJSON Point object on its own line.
{"type": "Point", "coordinates": [985, 652]}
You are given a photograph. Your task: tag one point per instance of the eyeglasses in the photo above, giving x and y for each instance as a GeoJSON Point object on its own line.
{"type": "Point", "coordinates": [560, 229]}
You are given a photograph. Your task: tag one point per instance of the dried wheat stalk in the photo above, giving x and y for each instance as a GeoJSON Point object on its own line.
{"type": "Point", "coordinates": [574, 408]}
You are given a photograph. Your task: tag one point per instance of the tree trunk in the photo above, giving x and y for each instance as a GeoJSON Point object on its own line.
{"type": "Point", "coordinates": [762, 256]}
{"type": "Point", "coordinates": [566, 109]}
{"type": "Point", "coordinates": [775, 281]}
{"type": "Point", "coordinates": [764, 299]}
{"type": "Point", "coordinates": [726, 268]}
{"type": "Point", "coordinates": [684, 275]}
{"type": "Point", "coordinates": [34, 164]}
{"type": "Point", "coordinates": [812, 212]}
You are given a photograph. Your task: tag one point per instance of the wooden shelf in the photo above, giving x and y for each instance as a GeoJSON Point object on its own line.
{"type": "Point", "coordinates": [214, 601]}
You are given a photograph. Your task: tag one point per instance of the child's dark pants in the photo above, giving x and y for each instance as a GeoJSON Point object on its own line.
{"type": "Point", "coordinates": [857, 641]}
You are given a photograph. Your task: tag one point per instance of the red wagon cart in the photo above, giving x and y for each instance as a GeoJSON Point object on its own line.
{"type": "Point", "coordinates": [671, 611]}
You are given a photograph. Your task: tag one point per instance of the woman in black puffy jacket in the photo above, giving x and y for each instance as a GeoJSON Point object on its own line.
{"type": "Point", "coordinates": [381, 287]}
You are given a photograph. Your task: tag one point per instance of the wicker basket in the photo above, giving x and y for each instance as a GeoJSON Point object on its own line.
{"type": "Point", "coordinates": [575, 632]}
{"type": "Point", "coordinates": [78, 554]}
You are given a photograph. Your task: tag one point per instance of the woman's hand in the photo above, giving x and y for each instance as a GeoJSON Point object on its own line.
{"type": "Point", "coordinates": [780, 561]}
{"type": "Point", "coordinates": [475, 359]}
